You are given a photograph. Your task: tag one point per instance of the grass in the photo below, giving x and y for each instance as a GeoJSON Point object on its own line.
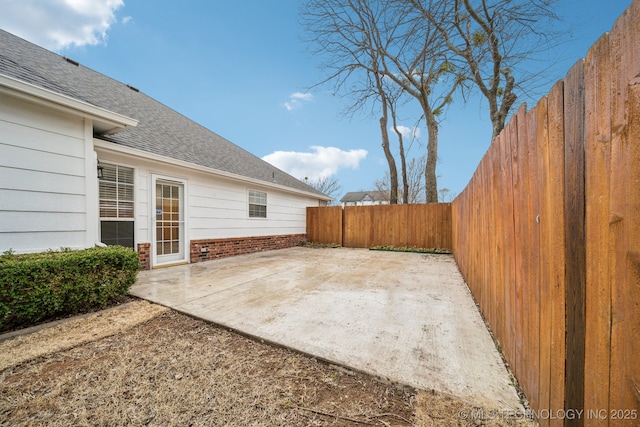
{"type": "Point", "coordinates": [411, 249]}
{"type": "Point", "coordinates": [321, 245]}
{"type": "Point", "coordinates": [155, 367]}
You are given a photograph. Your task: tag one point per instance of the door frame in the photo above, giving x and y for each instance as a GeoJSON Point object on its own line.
{"type": "Point", "coordinates": [152, 215]}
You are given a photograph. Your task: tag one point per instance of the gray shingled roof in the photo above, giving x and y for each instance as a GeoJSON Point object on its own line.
{"type": "Point", "coordinates": [357, 196]}
{"type": "Point", "coordinates": [161, 130]}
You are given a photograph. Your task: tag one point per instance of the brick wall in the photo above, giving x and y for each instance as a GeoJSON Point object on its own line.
{"type": "Point", "coordinates": [144, 252]}
{"type": "Point", "coordinates": [208, 249]}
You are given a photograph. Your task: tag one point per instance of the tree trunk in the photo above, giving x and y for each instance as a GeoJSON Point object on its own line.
{"type": "Point", "coordinates": [406, 197]}
{"type": "Point", "coordinates": [431, 183]}
{"type": "Point", "coordinates": [499, 116]}
{"type": "Point", "coordinates": [393, 170]}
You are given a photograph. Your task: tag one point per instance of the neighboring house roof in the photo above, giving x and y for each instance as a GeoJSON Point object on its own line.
{"type": "Point", "coordinates": [160, 131]}
{"type": "Point", "coordinates": [359, 196]}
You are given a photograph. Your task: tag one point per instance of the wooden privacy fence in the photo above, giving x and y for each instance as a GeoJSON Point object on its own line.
{"type": "Point", "coordinates": [324, 224]}
{"type": "Point", "coordinates": [421, 226]}
{"type": "Point", "coordinates": [547, 236]}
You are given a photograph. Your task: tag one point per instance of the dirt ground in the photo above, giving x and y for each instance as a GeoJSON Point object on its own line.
{"type": "Point", "coordinates": [143, 364]}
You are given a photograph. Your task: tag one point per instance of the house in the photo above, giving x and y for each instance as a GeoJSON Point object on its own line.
{"type": "Point", "coordinates": [365, 198]}
{"type": "Point", "coordinates": [86, 160]}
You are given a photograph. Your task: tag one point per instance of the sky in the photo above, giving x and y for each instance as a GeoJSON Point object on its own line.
{"type": "Point", "coordinates": [242, 69]}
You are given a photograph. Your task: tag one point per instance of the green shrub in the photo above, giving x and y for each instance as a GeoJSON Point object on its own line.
{"type": "Point", "coordinates": [39, 286]}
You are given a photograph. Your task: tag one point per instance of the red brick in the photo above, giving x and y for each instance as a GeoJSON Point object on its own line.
{"type": "Point", "coordinates": [144, 252]}
{"type": "Point", "coordinates": [221, 248]}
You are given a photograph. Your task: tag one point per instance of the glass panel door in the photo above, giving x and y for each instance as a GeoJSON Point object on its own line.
{"type": "Point", "coordinates": [169, 222]}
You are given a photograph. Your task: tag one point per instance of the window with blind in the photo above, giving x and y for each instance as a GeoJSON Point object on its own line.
{"type": "Point", "coordinates": [257, 204]}
{"type": "Point", "coordinates": [116, 205]}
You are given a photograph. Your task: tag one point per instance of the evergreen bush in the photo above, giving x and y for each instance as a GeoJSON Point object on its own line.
{"type": "Point", "coordinates": [59, 283]}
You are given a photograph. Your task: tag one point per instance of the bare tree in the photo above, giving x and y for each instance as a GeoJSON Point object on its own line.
{"type": "Point", "coordinates": [339, 31]}
{"type": "Point", "coordinates": [446, 195]}
{"type": "Point", "coordinates": [387, 42]}
{"type": "Point", "coordinates": [414, 192]}
{"type": "Point", "coordinates": [493, 37]}
{"type": "Point", "coordinates": [415, 180]}
{"type": "Point", "coordinates": [327, 185]}
{"type": "Point", "coordinates": [403, 159]}
{"type": "Point", "coordinates": [425, 72]}
{"type": "Point", "coordinates": [384, 120]}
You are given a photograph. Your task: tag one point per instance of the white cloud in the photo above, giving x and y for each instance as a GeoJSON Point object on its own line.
{"type": "Point", "coordinates": [126, 20]}
{"type": "Point", "coordinates": [320, 163]}
{"type": "Point", "coordinates": [296, 99]}
{"type": "Point", "coordinates": [407, 132]}
{"type": "Point", "coordinates": [59, 24]}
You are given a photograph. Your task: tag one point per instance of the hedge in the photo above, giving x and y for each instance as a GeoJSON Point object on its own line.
{"type": "Point", "coordinates": [34, 287]}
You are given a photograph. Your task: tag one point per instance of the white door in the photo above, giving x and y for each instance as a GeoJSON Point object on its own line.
{"type": "Point", "coordinates": [169, 222]}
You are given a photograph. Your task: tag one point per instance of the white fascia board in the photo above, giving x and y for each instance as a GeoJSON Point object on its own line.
{"type": "Point", "coordinates": [108, 120]}
{"type": "Point", "coordinates": [110, 146]}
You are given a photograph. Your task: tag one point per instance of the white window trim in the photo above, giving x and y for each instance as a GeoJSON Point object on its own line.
{"type": "Point", "coordinates": [136, 234]}
{"type": "Point", "coordinates": [135, 188]}
{"type": "Point", "coordinates": [266, 205]}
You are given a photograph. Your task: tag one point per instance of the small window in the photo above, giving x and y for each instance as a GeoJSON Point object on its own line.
{"type": "Point", "coordinates": [257, 204]}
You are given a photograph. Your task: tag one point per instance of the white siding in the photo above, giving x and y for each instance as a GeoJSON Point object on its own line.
{"type": "Point", "coordinates": [42, 178]}
{"type": "Point", "coordinates": [48, 188]}
{"type": "Point", "coordinates": [217, 207]}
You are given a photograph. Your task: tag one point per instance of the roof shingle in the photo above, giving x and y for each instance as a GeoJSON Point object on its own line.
{"type": "Point", "coordinates": [161, 130]}
{"type": "Point", "coordinates": [357, 196]}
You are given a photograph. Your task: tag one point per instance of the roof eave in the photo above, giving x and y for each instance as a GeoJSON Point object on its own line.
{"type": "Point", "coordinates": [105, 121]}
{"type": "Point", "coordinates": [111, 146]}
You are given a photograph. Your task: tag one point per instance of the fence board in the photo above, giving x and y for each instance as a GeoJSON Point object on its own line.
{"type": "Point", "coordinates": [492, 266]}
{"type": "Point", "coordinates": [507, 286]}
{"type": "Point", "coordinates": [625, 393]}
{"type": "Point", "coordinates": [598, 290]}
{"type": "Point", "coordinates": [520, 194]}
{"type": "Point", "coordinates": [574, 238]}
{"type": "Point", "coordinates": [416, 223]}
{"type": "Point", "coordinates": [530, 248]}
{"type": "Point", "coordinates": [545, 223]}
{"type": "Point", "coordinates": [624, 219]}
{"type": "Point", "coordinates": [552, 322]}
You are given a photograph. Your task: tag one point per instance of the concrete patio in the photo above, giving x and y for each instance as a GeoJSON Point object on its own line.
{"type": "Point", "coordinates": [405, 317]}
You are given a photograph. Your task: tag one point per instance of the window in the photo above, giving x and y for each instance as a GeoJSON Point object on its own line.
{"type": "Point", "coordinates": [117, 233]}
{"type": "Point", "coordinates": [257, 204]}
{"type": "Point", "coordinates": [116, 205]}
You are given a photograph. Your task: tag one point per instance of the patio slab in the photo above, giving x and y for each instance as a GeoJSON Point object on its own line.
{"type": "Point", "coordinates": [405, 317]}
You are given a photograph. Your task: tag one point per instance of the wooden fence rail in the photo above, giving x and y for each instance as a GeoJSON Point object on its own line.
{"type": "Point", "coordinates": [547, 236]}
